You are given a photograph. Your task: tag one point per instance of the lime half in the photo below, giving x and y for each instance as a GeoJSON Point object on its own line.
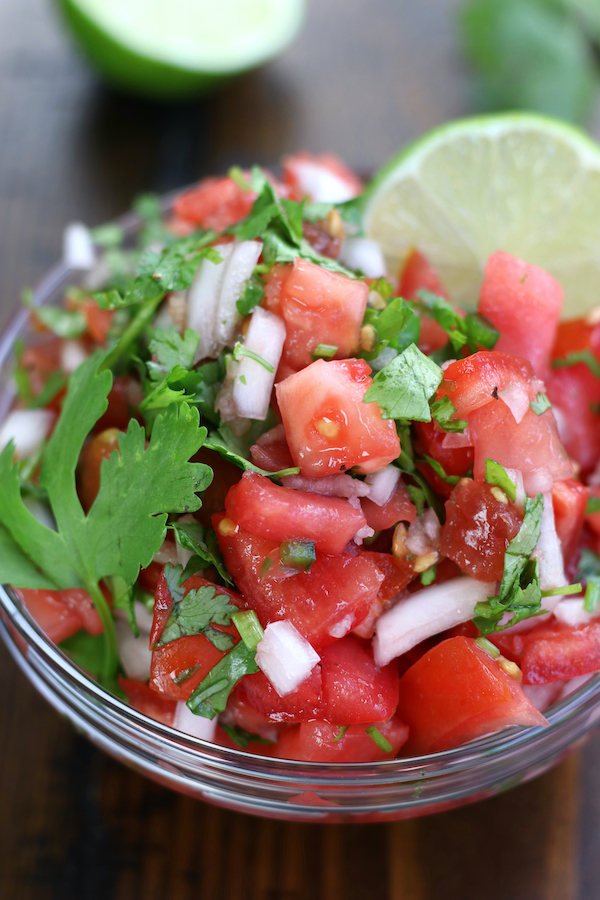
{"type": "Point", "coordinates": [522, 183]}
{"type": "Point", "coordinates": [167, 48]}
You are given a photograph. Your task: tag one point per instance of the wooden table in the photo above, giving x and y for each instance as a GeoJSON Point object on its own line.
{"type": "Point", "coordinates": [362, 79]}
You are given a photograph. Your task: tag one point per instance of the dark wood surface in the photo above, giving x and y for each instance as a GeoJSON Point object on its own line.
{"type": "Point", "coordinates": [362, 79]}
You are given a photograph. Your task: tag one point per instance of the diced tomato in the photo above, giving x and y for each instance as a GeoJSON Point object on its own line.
{"type": "Point", "coordinates": [100, 447]}
{"type": "Point", "coordinates": [163, 604]}
{"type": "Point", "coordinates": [61, 614]}
{"type": "Point", "coordinates": [99, 321]}
{"type": "Point", "coordinates": [123, 401]}
{"type": "Point", "coordinates": [325, 178]}
{"type": "Point", "coordinates": [300, 705]}
{"type": "Point", "coordinates": [147, 701]}
{"type": "Point", "coordinates": [268, 510]}
{"type": "Point", "coordinates": [242, 714]}
{"type": "Point", "coordinates": [274, 281]}
{"type": "Point", "coordinates": [533, 446]}
{"type": "Point", "coordinates": [325, 743]}
{"type": "Point", "coordinates": [456, 692]}
{"type": "Point", "coordinates": [324, 603]}
{"type": "Point", "coordinates": [453, 460]}
{"type": "Point", "coordinates": [40, 361]}
{"type": "Point", "coordinates": [476, 381]}
{"type": "Point", "coordinates": [193, 654]}
{"type": "Point", "coordinates": [399, 508]}
{"type": "Point", "coordinates": [355, 690]}
{"type": "Point", "coordinates": [419, 275]}
{"type": "Point", "coordinates": [320, 307]}
{"type": "Point", "coordinates": [555, 652]}
{"type": "Point", "coordinates": [569, 499]}
{"type": "Point", "coordinates": [329, 428]}
{"type": "Point", "coordinates": [148, 578]}
{"type": "Point", "coordinates": [215, 203]}
{"type": "Point", "coordinates": [523, 302]}
{"type": "Point", "coordinates": [271, 451]}
{"type": "Point", "coordinates": [397, 572]}
{"type": "Point", "coordinates": [478, 529]}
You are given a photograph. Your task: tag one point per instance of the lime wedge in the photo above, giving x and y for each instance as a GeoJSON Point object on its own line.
{"type": "Point", "coordinates": [167, 48]}
{"type": "Point", "coordinates": [522, 183]}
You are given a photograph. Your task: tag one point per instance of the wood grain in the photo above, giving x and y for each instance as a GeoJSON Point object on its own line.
{"type": "Point", "coordinates": [361, 80]}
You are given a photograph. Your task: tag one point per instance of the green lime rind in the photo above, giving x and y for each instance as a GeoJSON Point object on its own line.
{"type": "Point", "coordinates": [520, 182]}
{"type": "Point", "coordinates": [144, 74]}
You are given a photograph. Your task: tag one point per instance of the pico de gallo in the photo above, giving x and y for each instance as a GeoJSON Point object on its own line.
{"type": "Point", "coordinates": [281, 498]}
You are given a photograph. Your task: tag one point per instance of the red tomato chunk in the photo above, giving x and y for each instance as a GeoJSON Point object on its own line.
{"type": "Point", "coordinates": [354, 689]}
{"type": "Point", "coordinates": [322, 742]}
{"type": "Point", "coordinates": [61, 614]}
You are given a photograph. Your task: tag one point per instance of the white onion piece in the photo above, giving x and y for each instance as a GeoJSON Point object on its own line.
{"type": "Point", "coordinates": [424, 534]}
{"type": "Point", "coordinates": [365, 255]}
{"type": "Point", "coordinates": [548, 553]}
{"type": "Point", "coordinates": [78, 247]}
{"type": "Point", "coordinates": [425, 613]}
{"type": "Point", "coordinates": [542, 695]}
{"type": "Point", "coordinates": [286, 658]}
{"type": "Point", "coordinates": [203, 300]}
{"type": "Point", "coordinates": [135, 654]}
{"type": "Point", "coordinates": [72, 354]}
{"type": "Point", "coordinates": [456, 439]}
{"type": "Point", "coordinates": [28, 428]}
{"type": "Point", "coordinates": [516, 398]}
{"type": "Point", "coordinates": [382, 484]}
{"type": "Point", "coordinates": [166, 554]}
{"type": "Point", "coordinates": [196, 726]}
{"type": "Point", "coordinates": [321, 184]}
{"type": "Point", "coordinates": [516, 476]}
{"type": "Point", "coordinates": [329, 486]}
{"type": "Point", "coordinates": [239, 269]}
{"type": "Point", "coordinates": [253, 383]}
{"type": "Point", "coordinates": [570, 611]}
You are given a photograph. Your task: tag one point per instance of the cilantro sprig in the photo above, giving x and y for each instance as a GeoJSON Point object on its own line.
{"type": "Point", "coordinates": [127, 523]}
{"type": "Point", "coordinates": [404, 387]}
{"type": "Point", "coordinates": [473, 330]}
{"type": "Point", "coordinates": [196, 612]}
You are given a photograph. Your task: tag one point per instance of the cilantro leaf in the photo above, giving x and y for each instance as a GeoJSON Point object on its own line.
{"type": "Point", "coordinates": [396, 326]}
{"type": "Point", "coordinates": [442, 411]}
{"type": "Point", "coordinates": [496, 475]}
{"type": "Point", "coordinates": [170, 350]}
{"type": "Point", "coordinates": [211, 695]}
{"type": "Point", "coordinates": [252, 296]}
{"type": "Point", "coordinates": [472, 330]}
{"type": "Point", "coordinates": [237, 451]}
{"type": "Point", "coordinates": [440, 471]}
{"type": "Point", "coordinates": [581, 356]}
{"type": "Point", "coordinates": [241, 737]}
{"type": "Point", "coordinates": [202, 542]}
{"type": "Point", "coordinates": [404, 387]}
{"type": "Point", "coordinates": [540, 404]}
{"type": "Point", "coordinates": [592, 506]}
{"type": "Point", "coordinates": [589, 572]}
{"type": "Point", "coordinates": [520, 591]}
{"type": "Point", "coordinates": [196, 611]}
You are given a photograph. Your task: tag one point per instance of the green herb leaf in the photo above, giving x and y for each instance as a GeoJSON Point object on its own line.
{"type": "Point", "coordinates": [196, 611]}
{"type": "Point", "coordinates": [171, 350]}
{"type": "Point", "coordinates": [540, 404]}
{"type": "Point", "coordinates": [211, 695]}
{"type": "Point", "coordinates": [593, 506]}
{"type": "Point", "coordinates": [442, 411]}
{"type": "Point", "coordinates": [252, 296]}
{"type": "Point", "coordinates": [342, 729]}
{"type": "Point", "coordinates": [495, 474]}
{"type": "Point", "coordinates": [243, 738]}
{"type": "Point", "coordinates": [472, 330]}
{"type": "Point", "coordinates": [573, 359]}
{"type": "Point", "coordinates": [381, 741]}
{"type": "Point", "coordinates": [202, 542]}
{"type": "Point", "coordinates": [428, 576]}
{"type": "Point", "coordinates": [298, 554]}
{"type": "Point", "coordinates": [250, 629]}
{"type": "Point", "coordinates": [404, 387]}
{"type": "Point", "coordinates": [64, 323]}
{"type": "Point", "coordinates": [396, 326]}
{"type": "Point", "coordinates": [439, 470]}
{"type": "Point", "coordinates": [589, 572]}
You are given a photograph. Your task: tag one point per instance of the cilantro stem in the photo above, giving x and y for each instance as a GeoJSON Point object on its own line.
{"type": "Point", "coordinates": [111, 655]}
{"type": "Point", "coordinates": [133, 330]}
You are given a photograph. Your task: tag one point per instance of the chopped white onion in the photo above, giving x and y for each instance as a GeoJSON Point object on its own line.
{"type": "Point", "coordinates": [365, 255]}
{"type": "Point", "coordinates": [253, 383]}
{"type": "Point", "coordinates": [203, 301]}
{"type": "Point", "coordinates": [548, 553]}
{"type": "Point", "coordinates": [542, 695]}
{"type": "Point", "coordinates": [196, 726]}
{"type": "Point", "coordinates": [454, 440]}
{"type": "Point", "coordinates": [166, 554]}
{"type": "Point", "coordinates": [134, 653]}
{"type": "Point", "coordinates": [321, 184]}
{"type": "Point", "coordinates": [239, 269]}
{"type": "Point", "coordinates": [286, 658]}
{"type": "Point", "coordinates": [425, 613]}
{"type": "Point", "coordinates": [424, 534]}
{"type": "Point", "coordinates": [78, 247]}
{"type": "Point", "coordinates": [329, 486]}
{"type": "Point", "coordinates": [570, 611]}
{"type": "Point", "coordinates": [362, 534]}
{"type": "Point", "coordinates": [383, 483]}
{"type": "Point", "coordinates": [342, 627]}
{"type": "Point", "coordinates": [516, 398]}
{"type": "Point", "coordinates": [72, 354]}
{"type": "Point", "coordinates": [516, 476]}
{"type": "Point", "coordinates": [28, 428]}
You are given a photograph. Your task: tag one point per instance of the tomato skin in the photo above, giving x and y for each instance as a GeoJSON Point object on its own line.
{"type": "Point", "coordinates": [268, 510]}
{"type": "Point", "coordinates": [301, 705]}
{"type": "Point", "coordinates": [320, 307]}
{"type": "Point", "coordinates": [99, 321]}
{"type": "Point", "coordinates": [453, 460]}
{"type": "Point", "coordinates": [523, 302]}
{"type": "Point", "coordinates": [399, 508]}
{"type": "Point", "coordinates": [397, 572]}
{"type": "Point", "coordinates": [177, 656]}
{"type": "Point", "coordinates": [61, 614]}
{"type": "Point", "coordinates": [355, 690]}
{"type": "Point", "coordinates": [575, 393]}
{"type": "Point", "coordinates": [569, 499]}
{"type": "Point", "coordinates": [329, 428]}
{"type": "Point", "coordinates": [99, 448]}
{"type": "Point", "coordinates": [214, 203]}
{"type": "Point", "coordinates": [456, 692]}
{"type": "Point", "coordinates": [147, 701]}
{"type": "Point", "coordinates": [419, 275]}
{"type": "Point", "coordinates": [316, 742]}
{"type": "Point", "coordinates": [556, 652]}
{"type": "Point", "coordinates": [478, 530]}
{"type": "Point", "coordinates": [472, 382]}
{"type": "Point", "coordinates": [335, 595]}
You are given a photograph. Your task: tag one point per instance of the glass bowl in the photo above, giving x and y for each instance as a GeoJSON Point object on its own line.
{"type": "Point", "coordinates": [282, 789]}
